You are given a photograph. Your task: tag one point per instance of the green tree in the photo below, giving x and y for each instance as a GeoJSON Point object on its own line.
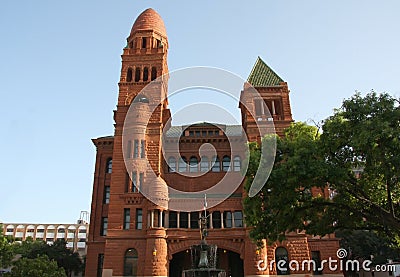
{"type": "Point", "coordinates": [368, 244]}
{"type": "Point", "coordinates": [6, 250]}
{"type": "Point", "coordinates": [58, 252]}
{"type": "Point", "coordinates": [40, 266]}
{"type": "Point", "coordinates": [345, 178]}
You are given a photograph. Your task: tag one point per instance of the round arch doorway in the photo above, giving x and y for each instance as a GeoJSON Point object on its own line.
{"type": "Point", "coordinates": [228, 260]}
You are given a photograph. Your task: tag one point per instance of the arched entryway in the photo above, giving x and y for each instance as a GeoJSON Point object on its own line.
{"type": "Point", "coordinates": [228, 260]}
{"type": "Point", "coordinates": [179, 262]}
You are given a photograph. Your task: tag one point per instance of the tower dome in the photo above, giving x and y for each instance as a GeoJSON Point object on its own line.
{"type": "Point", "coordinates": [149, 20]}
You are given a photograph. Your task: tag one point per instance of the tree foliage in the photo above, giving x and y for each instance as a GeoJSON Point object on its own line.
{"type": "Point", "coordinates": [368, 245]}
{"type": "Point", "coordinates": [347, 177]}
{"type": "Point", "coordinates": [40, 266]}
{"type": "Point", "coordinates": [58, 252]}
{"type": "Point", "coordinates": [6, 250]}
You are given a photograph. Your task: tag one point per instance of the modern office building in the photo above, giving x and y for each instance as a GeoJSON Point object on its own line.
{"type": "Point", "coordinates": [74, 234]}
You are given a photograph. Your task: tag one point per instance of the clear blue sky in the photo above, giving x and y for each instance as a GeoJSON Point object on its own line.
{"type": "Point", "coordinates": [60, 65]}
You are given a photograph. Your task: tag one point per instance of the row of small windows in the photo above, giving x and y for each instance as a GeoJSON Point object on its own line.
{"type": "Point", "coordinates": [126, 221]}
{"type": "Point", "coordinates": [189, 220]}
{"type": "Point", "coordinates": [203, 133]}
{"type": "Point", "coordinates": [217, 219]}
{"type": "Point", "coordinates": [143, 43]}
{"type": "Point", "coordinates": [136, 151]}
{"type": "Point", "coordinates": [139, 76]}
{"type": "Point", "coordinates": [41, 228]}
{"type": "Point", "coordinates": [215, 165]}
{"type": "Point", "coordinates": [41, 231]}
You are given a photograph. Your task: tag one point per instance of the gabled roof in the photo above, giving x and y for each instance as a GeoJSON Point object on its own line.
{"type": "Point", "coordinates": [263, 76]}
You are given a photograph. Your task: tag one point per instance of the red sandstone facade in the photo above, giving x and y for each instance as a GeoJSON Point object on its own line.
{"type": "Point", "coordinates": [130, 235]}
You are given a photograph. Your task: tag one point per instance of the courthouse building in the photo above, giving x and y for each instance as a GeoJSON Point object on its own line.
{"type": "Point", "coordinates": [135, 235]}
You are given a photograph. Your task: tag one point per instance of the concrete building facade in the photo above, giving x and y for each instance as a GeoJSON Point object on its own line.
{"type": "Point", "coordinates": [74, 234]}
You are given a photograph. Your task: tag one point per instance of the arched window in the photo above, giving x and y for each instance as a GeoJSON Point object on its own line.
{"type": "Point", "coordinates": [217, 165]}
{"type": "Point", "coordinates": [236, 163]}
{"type": "Point", "coordinates": [193, 164]}
{"type": "Point", "coordinates": [145, 74]}
{"type": "Point", "coordinates": [226, 163]}
{"type": "Point", "coordinates": [182, 164]}
{"type": "Point", "coordinates": [281, 254]}
{"type": "Point", "coordinates": [137, 74]}
{"type": "Point", "coordinates": [130, 262]}
{"type": "Point", "coordinates": [204, 164]}
{"type": "Point", "coordinates": [109, 166]}
{"type": "Point", "coordinates": [153, 73]}
{"type": "Point", "coordinates": [129, 75]}
{"type": "Point", "coordinates": [171, 164]}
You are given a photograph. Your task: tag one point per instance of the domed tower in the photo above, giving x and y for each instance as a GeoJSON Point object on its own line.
{"type": "Point", "coordinates": [127, 236]}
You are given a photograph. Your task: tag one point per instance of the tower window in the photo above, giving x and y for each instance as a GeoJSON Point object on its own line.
{"type": "Point", "coordinates": [144, 42]}
{"type": "Point", "coordinates": [153, 73]}
{"type": "Point", "coordinates": [258, 107]}
{"type": "Point", "coordinates": [136, 149]}
{"type": "Point", "coordinates": [109, 166]}
{"type": "Point", "coordinates": [127, 182]}
{"type": "Point", "coordinates": [145, 74]}
{"type": "Point", "coordinates": [129, 149]}
{"type": "Point", "coordinates": [134, 182]}
{"type": "Point", "coordinates": [127, 218]}
{"type": "Point", "coordinates": [104, 226]}
{"type": "Point", "coordinates": [226, 163]}
{"type": "Point", "coordinates": [142, 148]}
{"type": "Point", "coordinates": [141, 179]}
{"type": "Point", "coordinates": [129, 75]}
{"type": "Point", "coordinates": [139, 219]}
{"type": "Point", "coordinates": [137, 74]}
{"type": "Point", "coordinates": [106, 195]}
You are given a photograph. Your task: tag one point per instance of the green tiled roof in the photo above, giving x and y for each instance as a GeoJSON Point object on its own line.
{"type": "Point", "coordinates": [263, 76]}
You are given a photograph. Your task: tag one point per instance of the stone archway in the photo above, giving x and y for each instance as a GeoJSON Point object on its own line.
{"type": "Point", "coordinates": [179, 262]}
{"type": "Point", "coordinates": [228, 260]}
